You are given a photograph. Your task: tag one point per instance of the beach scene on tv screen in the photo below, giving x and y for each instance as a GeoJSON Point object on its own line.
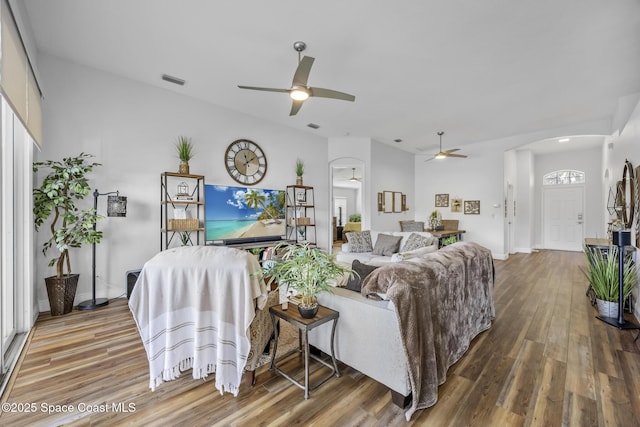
{"type": "Point", "coordinates": [239, 212]}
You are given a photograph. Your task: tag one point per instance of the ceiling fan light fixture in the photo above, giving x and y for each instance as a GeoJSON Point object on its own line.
{"type": "Point", "coordinates": [299, 94]}
{"type": "Point", "coordinates": [440, 156]}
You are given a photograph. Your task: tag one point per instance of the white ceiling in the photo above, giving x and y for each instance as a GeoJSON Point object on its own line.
{"type": "Point", "coordinates": [478, 70]}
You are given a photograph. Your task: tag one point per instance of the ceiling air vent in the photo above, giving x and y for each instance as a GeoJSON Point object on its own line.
{"type": "Point", "coordinates": [313, 126]}
{"type": "Point", "coordinates": [171, 79]}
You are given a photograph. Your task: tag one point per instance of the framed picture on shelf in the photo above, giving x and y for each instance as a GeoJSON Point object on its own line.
{"type": "Point", "coordinates": [456, 205]}
{"type": "Point", "coordinates": [442, 200]}
{"type": "Point", "coordinates": [472, 207]}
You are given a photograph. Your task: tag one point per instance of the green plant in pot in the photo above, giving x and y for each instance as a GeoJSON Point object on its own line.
{"type": "Point", "coordinates": [65, 184]}
{"type": "Point", "coordinates": [355, 218]}
{"type": "Point", "coordinates": [299, 171]}
{"type": "Point", "coordinates": [184, 148]}
{"type": "Point", "coordinates": [305, 269]}
{"type": "Point", "coordinates": [602, 273]}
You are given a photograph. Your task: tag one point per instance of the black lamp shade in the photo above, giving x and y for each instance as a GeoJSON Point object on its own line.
{"type": "Point", "coordinates": [116, 206]}
{"type": "Point", "coordinates": [622, 238]}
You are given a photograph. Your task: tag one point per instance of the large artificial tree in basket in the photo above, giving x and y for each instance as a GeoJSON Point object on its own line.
{"type": "Point", "coordinates": [56, 197]}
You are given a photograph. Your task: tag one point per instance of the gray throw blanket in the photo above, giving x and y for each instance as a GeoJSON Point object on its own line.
{"type": "Point", "coordinates": [443, 300]}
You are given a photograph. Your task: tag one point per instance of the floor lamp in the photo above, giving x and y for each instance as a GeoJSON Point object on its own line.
{"type": "Point", "coordinates": [116, 206]}
{"type": "Point", "coordinates": [621, 239]}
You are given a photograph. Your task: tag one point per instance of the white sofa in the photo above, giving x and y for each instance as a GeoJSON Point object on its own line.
{"type": "Point", "coordinates": [367, 333]}
{"type": "Point", "coordinates": [346, 256]}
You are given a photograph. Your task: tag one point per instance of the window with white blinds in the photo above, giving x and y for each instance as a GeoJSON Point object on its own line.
{"type": "Point", "coordinates": [17, 79]}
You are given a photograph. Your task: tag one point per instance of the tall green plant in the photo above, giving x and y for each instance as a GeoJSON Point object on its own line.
{"type": "Point", "coordinates": [61, 188]}
{"type": "Point", "coordinates": [602, 273]}
{"type": "Point", "coordinates": [305, 268]}
{"type": "Point", "coordinates": [184, 147]}
{"type": "Point", "coordinates": [299, 167]}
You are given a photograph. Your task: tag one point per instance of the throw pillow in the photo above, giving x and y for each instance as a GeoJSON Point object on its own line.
{"type": "Point", "coordinates": [359, 241]}
{"type": "Point", "coordinates": [362, 270]}
{"type": "Point", "coordinates": [386, 244]}
{"type": "Point", "coordinates": [416, 241]}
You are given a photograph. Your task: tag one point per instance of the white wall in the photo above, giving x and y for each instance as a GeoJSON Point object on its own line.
{"type": "Point", "coordinates": [131, 128]}
{"type": "Point", "coordinates": [391, 170]}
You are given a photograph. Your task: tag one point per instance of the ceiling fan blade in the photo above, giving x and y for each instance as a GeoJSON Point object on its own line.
{"type": "Point", "coordinates": [302, 72]}
{"type": "Point", "coordinates": [457, 155]}
{"type": "Point", "coordinates": [295, 107]}
{"type": "Point", "coordinates": [453, 150]}
{"type": "Point", "coordinates": [429, 159]}
{"type": "Point", "coordinates": [268, 89]}
{"type": "Point", "coordinates": [328, 93]}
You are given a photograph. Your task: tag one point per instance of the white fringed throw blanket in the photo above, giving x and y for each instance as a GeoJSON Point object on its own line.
{"type": "Point", "coordinates": [193, 306]}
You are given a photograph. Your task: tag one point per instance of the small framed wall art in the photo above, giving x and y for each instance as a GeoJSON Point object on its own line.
{"type": "Point", "coordinates": [442, 200]}
{"type": "Point", "coordinates": [456, 205]}
{"type": "Point", "coordinates": [472, 207]}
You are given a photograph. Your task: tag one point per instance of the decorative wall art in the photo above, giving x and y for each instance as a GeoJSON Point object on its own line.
{"type": "Point", "coordinates": [472, 207]}
{"type": "Point", "coordinates": [456, 205]}
{"type": "Point", "coordinates": [442, 200]}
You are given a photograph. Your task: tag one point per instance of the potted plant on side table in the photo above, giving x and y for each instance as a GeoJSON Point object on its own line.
{"type": "Point", "coordinates": [602, 274]}
{"type": "Point", "coordinates": [61, 188]}
{"type": "Point", "coordinates": [306, 269]}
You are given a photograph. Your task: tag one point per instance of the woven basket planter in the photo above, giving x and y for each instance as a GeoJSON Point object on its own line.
{"type": "Point", "coordinates": [62, 293]}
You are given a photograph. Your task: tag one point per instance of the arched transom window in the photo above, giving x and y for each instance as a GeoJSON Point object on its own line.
{"type": "Point", "coordinates": [562, 177]}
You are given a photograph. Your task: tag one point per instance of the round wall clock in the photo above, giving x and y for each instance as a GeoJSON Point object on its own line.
{"type": "Point", "coordinates": [245, 161]}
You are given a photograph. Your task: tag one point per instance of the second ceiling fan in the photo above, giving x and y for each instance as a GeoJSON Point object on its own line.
{"type": "Point", "coordinates": [444, 154]}
{"type": "Point", "coordinates": [299, 91]}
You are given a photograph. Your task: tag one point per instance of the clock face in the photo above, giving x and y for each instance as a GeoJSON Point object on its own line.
{"type": "Point", "coordinates": [245, 162]}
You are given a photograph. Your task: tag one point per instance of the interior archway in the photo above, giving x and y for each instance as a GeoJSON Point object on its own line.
{"type": "Point", "coordinates": [347, 190]}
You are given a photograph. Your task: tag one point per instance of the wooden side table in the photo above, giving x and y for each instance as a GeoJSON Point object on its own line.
{"type": "Point", "coordinates": [305, 325]}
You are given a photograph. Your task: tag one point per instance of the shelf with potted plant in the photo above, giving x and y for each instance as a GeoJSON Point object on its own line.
{"type": "Point", "coordinates": [300, 214]}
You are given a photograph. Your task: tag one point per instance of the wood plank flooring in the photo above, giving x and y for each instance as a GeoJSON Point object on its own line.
{"type": "Point", "coordinates": [546, 361]}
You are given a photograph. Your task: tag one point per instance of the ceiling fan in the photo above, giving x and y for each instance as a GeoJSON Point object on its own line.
{"type": "Point", "coordinates": [444, 154]}
{"type": "Point", "coordinates": [299, 91]}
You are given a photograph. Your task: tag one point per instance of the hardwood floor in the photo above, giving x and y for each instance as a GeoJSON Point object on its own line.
{"type": "Point", "coordinates": [546, 361]}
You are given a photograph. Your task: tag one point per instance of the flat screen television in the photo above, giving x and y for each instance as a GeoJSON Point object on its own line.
{"type": "Point", "coordinates": [236, 214]}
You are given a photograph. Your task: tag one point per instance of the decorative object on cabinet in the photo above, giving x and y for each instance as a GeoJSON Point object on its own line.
{"type": "Point", "coordinates": [472, 207]}
{"type": "Point", "coordinates": [185, 153]}
{"type": "Point", "coordinates": [245, 161]}
{"type": "Point", "coordinates": [116, 206]}
{"type": "Point", "coordinates": [300, 216]}
{"type": "Point", "coordinates": [442, 200]}
{"type": "Point", "coordinates": [65, 184]}
{"type": "Point", "coordinates": [185, 219]}
{"type": "Point", "coordinates": [299, 171]}
{"type": "Point", "coordinates": [434, 220]}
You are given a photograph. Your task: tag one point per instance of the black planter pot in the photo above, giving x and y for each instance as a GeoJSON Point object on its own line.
{"type": "Point", "coordinates": [62, 293]}
{"type": "Point", "coordinates": [308, 312]}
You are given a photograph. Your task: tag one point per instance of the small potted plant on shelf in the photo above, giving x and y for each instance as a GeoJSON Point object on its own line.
{"type": "Point", "coordinates": [184, 148]}
{"type": "Point", "coordinates": [299, 171]}
{"type": "Point", "coordinates": [306, 269]}
{"type": "Point", "coordinates": [61, 188]}
{"type": "Point", "coordinates": [602, 274]}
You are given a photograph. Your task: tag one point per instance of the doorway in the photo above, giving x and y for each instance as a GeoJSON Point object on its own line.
{"type": "Point", "coordinates": [563, 217]}
{"type": "Point", "coordinates": [347, 192]}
